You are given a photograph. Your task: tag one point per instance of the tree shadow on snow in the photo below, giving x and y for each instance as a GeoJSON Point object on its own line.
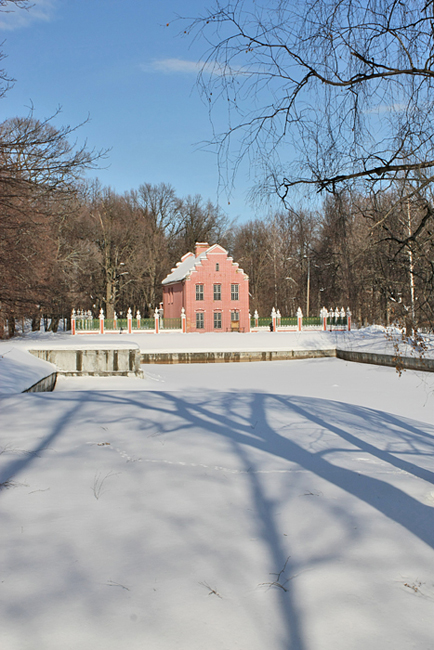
{"type": "Point", "coordinates": [259, 422]}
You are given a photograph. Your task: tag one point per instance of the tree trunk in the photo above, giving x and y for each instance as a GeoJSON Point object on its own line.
{"type": "Point", "coordinates": [109, 300]}
{"type": "Point", "coordinates": [36, 323]}
{"type": "Point", "coordinates": [11, 326]}
{"type": "Point", "coordinates": [54, 325]}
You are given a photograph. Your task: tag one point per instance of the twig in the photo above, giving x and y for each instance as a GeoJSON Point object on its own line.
{"type": "Point", "coordinates": [99, 482]}
{"type": "Point", "coordinates": [111, 583]}
{"type": "Point", "coordinates": [211, 590]}
{"type": "Point", "coordinates": [277, 582]}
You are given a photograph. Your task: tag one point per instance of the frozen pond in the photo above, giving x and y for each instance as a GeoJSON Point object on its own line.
{"type": "Point", "coordinates": [258, 505]}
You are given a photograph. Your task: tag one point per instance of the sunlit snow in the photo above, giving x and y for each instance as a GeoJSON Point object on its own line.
{"type": "Point", "coordinates": [274, 505]}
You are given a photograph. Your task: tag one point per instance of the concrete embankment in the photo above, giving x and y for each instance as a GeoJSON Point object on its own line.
{"type": "Point", "coordinates": [44, 385]}
{"type": "Point", "coordinates": [93, 361]}
{"type": "Point", "coordinates": [392, 361]}
{"type": "Point", "coordinates": [408, 363]}
{"type": "Point", "coordinates": [232, 357]}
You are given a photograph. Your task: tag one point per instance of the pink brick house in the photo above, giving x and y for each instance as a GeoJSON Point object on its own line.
{"type": "Point", "coordinates": [212, 288]}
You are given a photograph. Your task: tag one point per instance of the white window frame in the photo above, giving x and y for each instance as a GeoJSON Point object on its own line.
{"type": "Point", "coordinates": [199, 292]}
{"type": "Point", "coordinates": [217, 320]}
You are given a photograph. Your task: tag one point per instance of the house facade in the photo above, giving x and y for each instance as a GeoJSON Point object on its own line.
{"type": "Point", "coordinates": [211, 288]}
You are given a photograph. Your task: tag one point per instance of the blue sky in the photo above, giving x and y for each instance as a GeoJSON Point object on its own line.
{"type": "Point", "coordinates": [119, 62]}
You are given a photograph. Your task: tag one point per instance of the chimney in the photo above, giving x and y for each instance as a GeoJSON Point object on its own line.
{"type": "Point", "coordinates": [201, 247]}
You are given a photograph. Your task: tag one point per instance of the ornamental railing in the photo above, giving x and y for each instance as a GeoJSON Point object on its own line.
{"type": "Point", "coordinates": [170, 323]}
{"type": "Point", "coordinates": [84, 322]}
{"type": "Point", "coordinates": [143, 324]}
{"type": "Point", "coordinates": [87, 325]}
{"type": "Point", "coordinates": [333, 319]}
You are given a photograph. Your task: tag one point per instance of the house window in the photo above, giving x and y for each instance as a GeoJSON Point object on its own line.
{"type": "Point", "coordinates": [217, 320]}
{"type": "Point", "coordinates": [217, 292]}
{"type": "Point", "coordinates": [199, 292]}
{"type": "Point", "coordinates": [235, 315]}
{"type": "Point", "coordinates": [217, 266]}
{"type": "Point", "coordinates": [234, 291]}
{"type": "Point", "coordinates": [200, 321]}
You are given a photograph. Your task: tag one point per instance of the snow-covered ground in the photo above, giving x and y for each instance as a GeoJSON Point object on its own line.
{"type": "Point", "coordinates": [278, 505]}
{"type": "Point", "coordinates": [369, 339]}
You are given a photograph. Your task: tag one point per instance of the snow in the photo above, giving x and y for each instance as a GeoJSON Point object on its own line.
{"type": "Point", "coordinates": [259, 505]}
{"type": "Point", "coordinates": [184, 268]}
{"type": "Point", "coordinates": [372, 339]}
{"type": "Point", "coordinates": [19, 370]}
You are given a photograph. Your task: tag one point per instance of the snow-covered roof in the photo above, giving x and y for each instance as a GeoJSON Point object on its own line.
{"type": "Point", "coordinates": [183, 268]}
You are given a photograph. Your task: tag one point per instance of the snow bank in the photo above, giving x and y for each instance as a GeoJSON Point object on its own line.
{"type": "Point", "coordinates": [19, 370]}
{"type": "Point", "coordinates": [370, 339]}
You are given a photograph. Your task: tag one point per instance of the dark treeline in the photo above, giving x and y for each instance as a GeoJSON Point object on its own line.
{"type": "Point", "coordinates": [373, 254]}
{"type": "Point", "coordinates": [66, 243]}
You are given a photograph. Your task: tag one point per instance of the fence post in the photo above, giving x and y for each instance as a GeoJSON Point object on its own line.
{"type": "Point", "coordinates": [256, 317]}
{"type": "Point", "coordinates": [139, 318]}
{"type": "Point", "coordinates": [101, 321]}
{"type": "Point", "coordinates": [129, 320]}
{"type": "Point", "coordinates": [183, 321]}
{"type": "Point", "coordinates": [115, 320]}
{"type": "Point", "coordinates": [73, 323]}
{"type": "Point", "coordinates": [299, 319]}
{"type": "Point", "coordinates": [348, 319]}
{"type": "Point", "coordinates": [156, 321]}
{"type": "Point", "coordinates": [273, 319]}
{"type": "Point", "coordinates": [278, 317]}
{"type": "Point", "coordinates": [324, 314]}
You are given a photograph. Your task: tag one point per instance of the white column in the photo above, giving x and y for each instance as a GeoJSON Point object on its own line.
{"type": "Point", "coordinates": [299, 319]}
{"type": "Point", "coordinates": [273, 319]}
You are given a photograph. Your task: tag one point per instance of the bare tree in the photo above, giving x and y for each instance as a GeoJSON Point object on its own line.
{"type": "Point", "coordinates": [278, 254]}
{"type": "Point", "coordinates": [39, 171]}
{"type": "Point", "coordinates": [158, 207]}
{"type": "Point", "coordinates": [343, 88]}
{"type": "Point", "coordinates": [199, 221]}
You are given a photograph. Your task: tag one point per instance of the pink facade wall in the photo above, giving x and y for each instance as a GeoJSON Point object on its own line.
{"type": "Point", "coordinates": [173, 300]}
{"type": "Point", "coordinates": [206, 273]}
